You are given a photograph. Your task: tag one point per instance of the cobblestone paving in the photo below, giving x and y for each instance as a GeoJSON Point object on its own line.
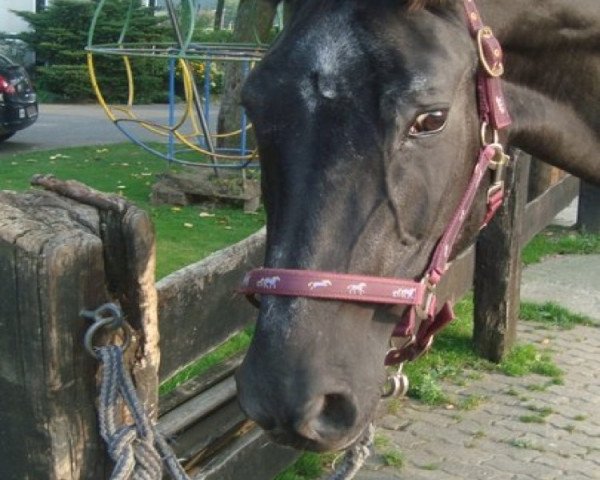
{"type": "Point", "coordinates": [492, 441]}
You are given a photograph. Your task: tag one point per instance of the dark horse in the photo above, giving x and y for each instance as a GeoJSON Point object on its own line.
{"type": "Point", "coordinates": [367, 125]}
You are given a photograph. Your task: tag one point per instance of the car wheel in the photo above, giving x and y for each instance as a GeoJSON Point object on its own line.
{"type": "Point", "coordinates": [6, 136]}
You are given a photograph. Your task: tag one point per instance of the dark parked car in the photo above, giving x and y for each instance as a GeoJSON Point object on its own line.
{"type": "Point", "coordinates": [18, 101]}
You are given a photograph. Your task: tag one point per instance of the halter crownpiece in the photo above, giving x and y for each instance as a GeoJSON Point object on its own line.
{"type": "Point", "coordinates": [414, 334]}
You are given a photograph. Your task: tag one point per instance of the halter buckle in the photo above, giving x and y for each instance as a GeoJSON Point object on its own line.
{"type": "Point", "coordinates": [487, 44]}
{"type": "Point", "coordinates": [498, 166]}
{"type": "Point", "coordinates": [423, 311]}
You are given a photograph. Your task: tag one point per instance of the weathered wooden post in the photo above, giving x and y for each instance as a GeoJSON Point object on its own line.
{"type": "Point", "coordinates": [498, 268]}
{"type": "Point", "coordinates": [588, 214]}
{"type": "Point", "coordinates": [61, 254]}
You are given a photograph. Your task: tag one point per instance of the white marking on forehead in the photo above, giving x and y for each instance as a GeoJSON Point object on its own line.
{"type": "Point", "coordinates": [336, 46]}
{"type": "Point", "coordinates": [418, 83]}
{"type": "Point", "coordinates": [331, 48]}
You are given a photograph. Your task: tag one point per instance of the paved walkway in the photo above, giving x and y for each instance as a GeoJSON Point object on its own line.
{"type": "Point", "coordinates": [492, 441]}
{"type": "Point", "coordinates": [60, 126]}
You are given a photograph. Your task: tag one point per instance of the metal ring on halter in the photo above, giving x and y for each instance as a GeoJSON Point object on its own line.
{"type": "Point", "coordinates": [484, 132]}
{"type": "Point", "coordinates": [395, 386]}
{"type": "Point", "coordinates": [109, 316]}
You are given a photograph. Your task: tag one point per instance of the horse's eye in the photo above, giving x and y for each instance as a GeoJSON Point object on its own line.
{"type": "Point", "coordinates": [429, 123]}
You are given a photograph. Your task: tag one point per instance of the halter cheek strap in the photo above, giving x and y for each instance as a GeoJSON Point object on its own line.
{"type": "Point", "coordinates": [414, 333]}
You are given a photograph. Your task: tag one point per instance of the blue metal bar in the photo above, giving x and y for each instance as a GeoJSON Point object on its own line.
{"type": "Point", "coordinates": [207, 80]}
{"type": "Point", "coordinates": [243, 142]}
{"type": "Point", "coordinates": [171, 142]}
{"type": "Point", "coordinates": [120, 125]}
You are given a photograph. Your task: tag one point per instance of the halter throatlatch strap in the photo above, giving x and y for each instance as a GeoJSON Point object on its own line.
{"type": "Point", "coordinates": [414, 333]}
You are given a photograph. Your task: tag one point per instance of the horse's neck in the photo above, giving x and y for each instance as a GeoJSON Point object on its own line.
{"type": "Point", "coordinates": [553, 78]}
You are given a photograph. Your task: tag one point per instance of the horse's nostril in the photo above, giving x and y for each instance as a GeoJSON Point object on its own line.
{"type": "Point", "coordinates": [338, 415]}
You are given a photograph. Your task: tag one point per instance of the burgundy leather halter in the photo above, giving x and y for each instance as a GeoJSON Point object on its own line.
{"type": "Point", "coordinates": [411, 338]}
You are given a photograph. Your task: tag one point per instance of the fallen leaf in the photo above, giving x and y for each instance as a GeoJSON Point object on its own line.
{"type": "Point", "coordinates": [206, 215]}
{"type": "Point", "coordinates": [188, 225]}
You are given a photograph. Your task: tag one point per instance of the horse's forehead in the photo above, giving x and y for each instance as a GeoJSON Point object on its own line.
{"type": "Point", "coordinates": [331, 43]}
{"type": "Point", "coordinates": [335, 44]}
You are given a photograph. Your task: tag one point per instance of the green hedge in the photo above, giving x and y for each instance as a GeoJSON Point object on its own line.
{"type": "Point", "coordinates": [59, 36]}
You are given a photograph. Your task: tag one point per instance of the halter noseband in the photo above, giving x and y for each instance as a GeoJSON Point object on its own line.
{"type": "Point", "coordinates": [411, 338]}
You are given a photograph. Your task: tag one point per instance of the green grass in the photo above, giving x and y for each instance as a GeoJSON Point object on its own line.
{"type": "Point", "coordinates": [308, 467]}
{"type": "Point", "coordinates": [525, 444]}
{"type": "Point", "coordinates": [183, 235]}
{"type": "Point", "coordinates": [393, 458]}
{"type": "Point", "coordinates": [532, 418]}
{"type": "Point", "coordinates": [451, 355]}
{"type": "Point", "coordinates": [559, 241]}
{"type": "Point", "coordinates": [472, 402]}
{"type": "Point", "coordinates": [381, 441]}
{"type": "Point", "coordinates": [525, 359]}
{"type": "Point", "coordinates": [553, 315]}
{"type": "Point", "coordinates": [226, 350]}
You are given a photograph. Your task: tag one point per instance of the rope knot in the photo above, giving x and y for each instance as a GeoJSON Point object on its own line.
{"type": "Point", "coordinates": [135, 448]}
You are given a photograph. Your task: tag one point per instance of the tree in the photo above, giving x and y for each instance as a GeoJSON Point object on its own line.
{"type": "Point", "coordinates": [59, 36]}
{"type": "Point", "coordinates": [219, 14]}
{"type": "Point", "coordinates": [253, 24]}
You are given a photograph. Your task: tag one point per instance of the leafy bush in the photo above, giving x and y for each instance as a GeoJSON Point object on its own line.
{"type": "Point", "coordinates": [59, 36]}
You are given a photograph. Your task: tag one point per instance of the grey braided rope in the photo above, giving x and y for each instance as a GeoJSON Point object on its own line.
{"type": "Point", "coordinates": [355, 457]}
{"type": "Point", "coordinates": [138, 450]}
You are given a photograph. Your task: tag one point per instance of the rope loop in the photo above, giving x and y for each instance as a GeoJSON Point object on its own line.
{"type": "Point", "coordinates": [136, 447]}
{"type": "Point", "coordinates": [355, 457]}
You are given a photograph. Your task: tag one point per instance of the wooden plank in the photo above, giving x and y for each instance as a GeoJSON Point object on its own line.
{"type": "Point", "coordinates": [249, 453]}
{"type": "Point", "coordinates": [498, 269]}
{"type": "Point", "coordinates": [196, 408]}
{"type": "Point", "coordinates": [52, 267]}
{"type": "Point", "coordinates": [588, 214]}
{"type": "Point", "coordinates": [199, 384]}
{"type": "Point", "coordinates": [202, 440]}
{"type": "Point", "coordinates": [540, 212]}
{"type": "Point", "coordinates": [198, 307]}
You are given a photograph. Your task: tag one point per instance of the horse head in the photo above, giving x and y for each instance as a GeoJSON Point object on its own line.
{"type": "Point", "coordinates": [367, 124]}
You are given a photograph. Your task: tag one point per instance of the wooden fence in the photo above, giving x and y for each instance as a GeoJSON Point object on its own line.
{"type": "Point", "coordinates": [73, 249]}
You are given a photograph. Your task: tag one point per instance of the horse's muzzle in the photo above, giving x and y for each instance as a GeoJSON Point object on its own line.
{"type": "Point", "coordinates": [321, 422]}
